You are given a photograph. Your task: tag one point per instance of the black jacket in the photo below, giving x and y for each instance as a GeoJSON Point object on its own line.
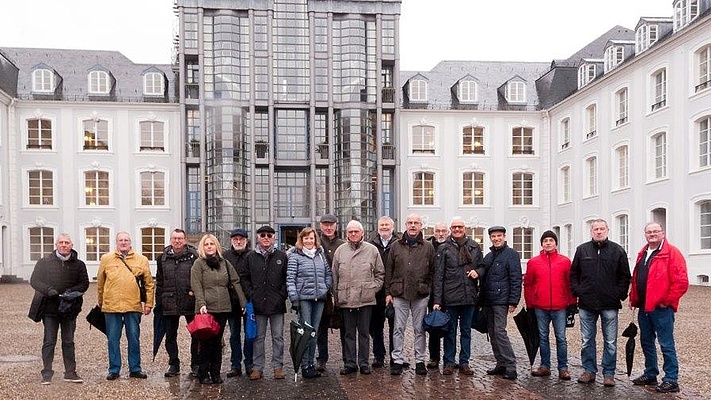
{"type": "Point", "coordinates": [451, 285]}
{"type": "Point", "coordinates": [63, 276]}
{"type": "Point", "coordinates": [173, 290]}
{"type": "Point", "coordinates": [600, 275]}
{"type": "Point", "coordinates": [264, 281]}
{"type": "Point", "coordinates": [330, 246]}
{"type": "Point", "coordinates": [238, 260]}
{"type": "Point", "coordinates": [383, 250]}
{"type": "Point", "coordinates": [502, 284]}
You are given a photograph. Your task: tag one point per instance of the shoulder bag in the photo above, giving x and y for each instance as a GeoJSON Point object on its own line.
{"type": "Point", "coordinates": [139, 281]}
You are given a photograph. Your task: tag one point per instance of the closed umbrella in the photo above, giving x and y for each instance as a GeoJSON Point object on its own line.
{"type": "Point", "coordinates": [528, 328]}
{"type": "Point", "coordinates": [630, 332]}
{"type": "Point", "coordinates": [301, 334]}
{"type": "Point", "coordinates": [96, 319]}
{"type": "Point", "coordinates": [158, 329]}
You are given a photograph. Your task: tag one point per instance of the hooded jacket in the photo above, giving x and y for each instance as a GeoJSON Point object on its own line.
{"type": "Point", "coordinates": [307, 278]}
{"type": "Point", "coordinates": [451, 285]}
{"type": "Point", "coordinates": [117, 288]}
{"type": "Point", "coordinates": [174, 294]}
{"type": "Point", "coordinates": [51, 272]}
{"type": "Point", "coordinates": [667, 279]}
{"type": "Point", "coordinates": [600, 275]}
{"type": "Point", "coordinates": [409, 269]}
{"type": "Point", "coordinates": [546, 284]}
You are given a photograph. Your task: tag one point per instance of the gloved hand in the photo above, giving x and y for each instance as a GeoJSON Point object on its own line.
{"type": "Point", "coordinates": [571, 309]}
{"type": "Point", "coordinates": [52, 292]}
{"type": "Point", "coordinates": [295, 307]}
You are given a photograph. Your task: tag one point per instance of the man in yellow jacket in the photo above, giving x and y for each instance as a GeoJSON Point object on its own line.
{"type": "Point", "coordinates": [120, 300]}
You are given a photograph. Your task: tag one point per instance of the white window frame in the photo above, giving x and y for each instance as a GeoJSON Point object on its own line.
{"type": "Point", "coordinates": [564, 133]}
{"type": "Point", "coordinates": [474, 149]}
{"type": "Point", "coordinates": [43, 145]}
{"type": "Point", "coordinates": [614, 55]}
{"type": "Point", "coordinates": [98, 82]}
{"type": "Point", "coordinates": [26, 188]}
{"type": "Point", "coordinates": [43, 80]}
{"type": "Point", "coordinates": [153, 84]}
{"type": "Point", "coordinates": [153, 173]}
{"type": "Point", "coordinates": [522, 241]}
{"type": "Point", "coordinates": [483, 197]}
{"type": "Point", "coordinates": [658, 86]}
{"type": "Point", "coordinates": [152, 146]}
{"type": "Point", "coordinates": [586, 73]}
{"type": "Point", "coordinates": [523, 141]}
{"type": "Point", "coordinates": [591, 176]}
{"type": "Point", "coordinates": [519, 194]}
{"type": "Point", "coordinates": [413, 179]}
{"type": "Point", "coordinates": [47, 244]}
{"type": "Point", "coordinates": [467, 91]}
{"type": "Point", "coordinates": [569, 239]}
{"type": "Point", "coordinates": [423, 148]}
{"type": "Point", "coordinates": [702, 65]}
{"type": "Point", "coordinates": [684, 12]}
{"type": "Point", "coordinates": [702, 131]}
{"type": "Point", "coordinates": [564, 194]}
{"type": "Point", "coordinates": [93, 257]}
{"type": "Point", "coordinates": [622, 227]}
{"type": "Point", "coordinates": [83, 194]}
{"type": "Point", "coordinates": [645, 36]}
{"type": "Point", "coordinates": [418, 90]}
{"type": "Point", "coordinates": [658, 156]}
{"type": "Point", "coordinates": [621, 106]}
{"type": "Point", "coordinates": [590, 113]}
{"type": "Point", "coordinates": [88, 141]}
{"type": "Point", "coordinates": [157, 246]}
{"type": "Point", "coordinates": [516, 92]}
{"type": "Point", "coordinates": [621, 166]}
{"type": "Point", "coordinates": [701, 225]}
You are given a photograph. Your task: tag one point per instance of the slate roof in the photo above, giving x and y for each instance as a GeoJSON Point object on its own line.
{"type": "Point", "coordinates": [74, 66]}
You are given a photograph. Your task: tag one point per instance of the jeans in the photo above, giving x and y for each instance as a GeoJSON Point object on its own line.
{"type": "Point", "coordinates": [114, 324]}
{"type": "Point", "coordinates": [210, 354]}
{"type": "Point", "coordinates": [356, 328]}
{"type": "Point", "coordinates": [403, 308]}
{"type": "Point", "coordinates": [465, 314]}
{"type": "Point", "coordinates": [276, 323]}
{"type": "Point", "coordinates": [310, 313]}
{"type": "Point", "coordinates": [658, 324]}
{"type": "Point", "coordinates": [171, 340]}
{"type": "Point", "coordinates": [51, 327]}
{"type": "Point", "coordinates": [557, 317]}
{"type": "Point", "coordinates": [588, 330]}
{"type": "Point", "coordinates": [236, 350]}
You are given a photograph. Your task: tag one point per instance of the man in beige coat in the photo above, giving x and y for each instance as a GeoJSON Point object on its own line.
{"type": "Point", "coordinates": [120, 300]}
{"type": "Point", "coordinates": [358, 273]}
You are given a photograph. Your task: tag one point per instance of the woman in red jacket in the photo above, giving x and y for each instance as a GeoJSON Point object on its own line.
{"type": "Point", "coordinates": [546, 288]}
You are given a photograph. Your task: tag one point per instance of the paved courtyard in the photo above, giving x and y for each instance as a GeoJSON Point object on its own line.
{"type": "Point", "coordinates": [20, 365]}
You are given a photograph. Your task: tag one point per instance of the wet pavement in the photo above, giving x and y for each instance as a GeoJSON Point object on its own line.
{"type": "Point", "coordinates": [20, 342]}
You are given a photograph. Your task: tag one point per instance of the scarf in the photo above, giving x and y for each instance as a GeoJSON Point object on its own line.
{"type": "Point", "coordinates": [465, 258]}
{"type": "Point", "coordinates": [310, 253]}
{"type": "Point", "coordinates": [212, 262]}
{"type": "Point", "coordinates": [61, 257]}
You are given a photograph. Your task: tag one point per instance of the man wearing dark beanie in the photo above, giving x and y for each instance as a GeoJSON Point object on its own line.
{"type": "Point", "coordinates": [547, 291]}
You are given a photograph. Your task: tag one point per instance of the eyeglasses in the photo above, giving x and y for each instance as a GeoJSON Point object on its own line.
{"type": "Point", "coordinates": [266, 235]}
{"type": "Point", "coordinates": [457, 227]}
{"type": "Point", "coordinates": [653, 232]}
{"type": "Point", "coordinates": [352, 232]}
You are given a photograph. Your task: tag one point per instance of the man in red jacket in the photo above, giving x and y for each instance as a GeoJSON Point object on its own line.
{"type": "Point", "coordinates": [546, 288]}
{"type": "Point", "coordinates": [658, 282]}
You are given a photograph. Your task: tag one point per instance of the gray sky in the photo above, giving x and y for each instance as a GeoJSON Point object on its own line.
{"type": "Point", "coordinates": [430, 30]}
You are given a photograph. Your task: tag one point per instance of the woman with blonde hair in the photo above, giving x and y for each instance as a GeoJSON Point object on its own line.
{"type": "Point", "coordinates": [308, 280]}
{"type": "Point", "coordinates": [210, 278]}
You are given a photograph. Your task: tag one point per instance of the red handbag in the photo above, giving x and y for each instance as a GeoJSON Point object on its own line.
{"type": "Point", "coordinates": [203, 327]}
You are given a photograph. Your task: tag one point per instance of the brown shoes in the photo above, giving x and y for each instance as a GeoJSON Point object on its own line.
{"type": "Point", "coordinates": [608, 380]}
{"type": "Point", "coordinates": [278, 373]}
{"type": "Point", "coordinates": [587, 377]}
{"type": "Point", "coordinates": [255, 375]}
{"type": "Point", "coordinates": [563, 374]}
{"type": "Point", "coordinates": [448, 370]}
{"type": "Point", "coordinates": [541, 371]}
{"type": "Point", "coordinates": [465, 370]}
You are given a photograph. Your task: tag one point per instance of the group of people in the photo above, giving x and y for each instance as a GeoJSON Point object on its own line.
{"type": "Point", "coordinates": [389, 276]}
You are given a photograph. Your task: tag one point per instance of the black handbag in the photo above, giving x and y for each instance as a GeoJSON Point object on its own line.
{"type": "Point", "coordinates": [234, 298]}
{"type": "Point", "coordinates": [139, 281]}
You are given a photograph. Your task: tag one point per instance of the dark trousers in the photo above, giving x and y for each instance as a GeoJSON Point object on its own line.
{"type": "Point", "coordinates": [210, 353]}
{"type": "Point", "coordinates": [434, 344]}
{"type": "Point", "coordinates": [356, 326]}
{"type": "Point", "coordinates": [236, 350]}
{"type": "Point", "coordinates": [171, 340]}
{"type": "Point", "coordinates": [51, 327]}
{"type": "Point", "coordinates": [377, 327]}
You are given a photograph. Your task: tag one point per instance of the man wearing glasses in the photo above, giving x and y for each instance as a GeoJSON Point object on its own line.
{"type": "Point", "coordinates": [358, 273]}
{"type": "Point", "coordinates": [441, 232]}
{"type": "Point", "coordinates": [264, 282]}
{"type": "Point", "coordinates": [658, 282]}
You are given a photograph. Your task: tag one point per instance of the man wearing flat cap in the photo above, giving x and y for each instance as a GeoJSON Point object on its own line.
{"type": "Point", "coordinates": [236, 255]}
{"type": "Point", "coordinates": [264, 282]}
{"type": "Point", "coordinates": [501, 293]}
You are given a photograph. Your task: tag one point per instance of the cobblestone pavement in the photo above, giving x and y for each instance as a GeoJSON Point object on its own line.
{"type": "Point", "coordinates": [20, 342]}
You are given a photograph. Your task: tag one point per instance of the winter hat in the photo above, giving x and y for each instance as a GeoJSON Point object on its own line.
{"type": "Point", "coordinates": [549, 234]}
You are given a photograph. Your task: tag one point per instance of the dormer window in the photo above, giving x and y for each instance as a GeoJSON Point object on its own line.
{"type": "Point", "coordinates": [99, 82]}
{"type": "Point", "coordinates": [586, 73]}
{"type": "Point", "coordinates": [516, 92]}
{"type": "Point", "coordinates": [646, 36]}
{"type": "Point", "coordinates": [153, 84]}
{"type": "Point", "coordinates": [684, 12]}
{"type": "Point", "coordinates": [614, 55]}
{"type": "Point", "coordinates": [467, 91]}
{"type": "Point", "coordinates": [418, 90]}
{"type": "Point", "coordinates": [42, 80]}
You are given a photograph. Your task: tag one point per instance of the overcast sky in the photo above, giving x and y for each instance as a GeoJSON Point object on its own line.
{"type": "Point", "coordinates": [430, 30]}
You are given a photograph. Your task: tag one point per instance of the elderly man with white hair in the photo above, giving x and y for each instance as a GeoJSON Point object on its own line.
{"type": "Point", "coordinates": [358, 273]}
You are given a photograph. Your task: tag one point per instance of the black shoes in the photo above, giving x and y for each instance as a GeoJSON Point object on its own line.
{"type": "Point", "coordinates": [216, 379]}
{"type": "Point", "coordinates": [348, 370]}
{"type": "Point", "coordinates": [510, 374]}
{"type": "Point", "coordinates": [234, 372]}
{"type": "Point", "coordinates": [496, 371]}
{"type": "Point", "coordinates": [378, 364]}
{"type": "Point", "coordinates": [645, 380]}
{"type": "Point", "coordinates": [667, 387]}
{"type": "Point", "coordinates": [172, 371]}
{"type": "Point", "coordinates": [365, 370]}
{"type": "Point", "coordinates": [112, 376]}
{"type": "Point", "coordinates": [137, 374]}
{"type": "Point", "coordinates": [420, 369]}
{"type": "Point", "coordinates": [321, 366]}
{"type": "Point", "coordinates": [206, 380]}
{"type": "Point", "coordinates": [432, 364]}
{"type": "Point", "coordinates": [396, 369]}
{"type": "Point", "coordinates": [310, 372]}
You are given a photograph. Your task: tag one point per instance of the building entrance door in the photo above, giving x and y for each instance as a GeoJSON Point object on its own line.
{"type": "Point", "coordinates": [288, 235]}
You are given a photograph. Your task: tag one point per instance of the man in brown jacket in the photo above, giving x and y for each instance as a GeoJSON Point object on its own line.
{"type": "Point", "coordinates": [409, 268]}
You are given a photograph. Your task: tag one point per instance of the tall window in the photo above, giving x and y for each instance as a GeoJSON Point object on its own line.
{"type": "Point", "coordinates": [516, 92]}
{"type": "Point", "coordinates": [418, 90]}
{"type": "Point", "coordinates": [591, 121]}
{"type": "Point", "coordinates": [623, 230]}
{"type": "Point", "coordinates": [684, 12]}
{"type": "Point", "coordinates": [586, 73]}
{"type": "Point", "coordinates": [591, 178]}
{"type": "Point", "coordinates": [423, 139]}
{"type": "Point", "coordinates": [473, 188]}
{"type": "Point", "coordinates": [152, 188]}
{"type": "Point", "coordinates": [705, 224]}
{"type": "Point", "coordinates": [614, 55]}
{"type": "Point", "coordinates": [98, 242]}
{"type": "Point", "coordinates": [660, 155]}
{"type": "Point", "coordinates": [659, 89]}
{"type": "Point", "coordinates": [621, 106]}
{"type": "Point", "coordinates": [153, 84]}
{"type": "Point", "coordinates": [386, 134]}
{"type": "Point", "coordinates": [704, 132]}
{"type": "Point", "coordinates": [152, 135]}
{"type": "Point", "coordinates": [564, 133]}
{"type": "Point", "coordinates": [96, 188]}
{"type": "Point", "coordinates": [99, 82]}
{"type": "Point", "coordinates": [42, 80]}
{"type": "Point", "coordinates": [522, 189]}
{"type": "Point", "coordinates": [565, 184]}
{"type": "Point", "coordinates": [522, 141]}
{"type": "Point", "coordinates": [41, 242]}
{"type": "Point", "coordinates": [568, 229]}
{"type": "Point", "coordinates": [467, 91]}
{"type": "Point", "coordinates": [152, 242]}
{"type": "Point", "coordinates": [423, 189]}
{"type": "Point", "coordinates": [41, 187]}
{"type": "Point", "coordinates": [622, 161]}
{"type": "Point", "coordinates": [645, 36]}
{"type": "Point", "coordinates": [96, 134]}
{"type": "Point", "coordinates": [473, 140]}
{"type": "Point", "coordinates": [523, 242]}
{"type": "Point", "coordinates": [39, 134]}
{"type": "Point", "coordinates": [703, 61]}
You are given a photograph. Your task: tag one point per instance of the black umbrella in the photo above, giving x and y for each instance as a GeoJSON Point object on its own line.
{"type": "Point", "coordinates": [96, 319]}
{"type": "Point", "coordinates": [528, 328]}
{"type": "Point", "coordinates": [630, 332]}
{"type": "Point", "coordinates": [300, 337]}
{"type": "Point", "coordinates": [158, 330]}
{"type": "Point", "coordinates": [70, 303]}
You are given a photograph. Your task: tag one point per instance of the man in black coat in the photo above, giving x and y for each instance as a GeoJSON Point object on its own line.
{"type": "Point", "coordinates": [237, 255]}
{"type": "Point", "coordinates": [441, 231]}
{"type": "Point", "coordinates": [57, 274]}
{"type": "Point", "coordinates": [174, 297]}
